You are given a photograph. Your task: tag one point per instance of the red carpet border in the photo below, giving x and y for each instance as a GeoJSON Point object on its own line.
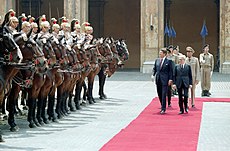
{"type": "Point", "coordinates": [151, 131]}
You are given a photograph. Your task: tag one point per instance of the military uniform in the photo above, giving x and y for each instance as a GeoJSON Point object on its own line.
{"type": "Point", "coordinates": [207, 66]}
{"type": "Point", "coordinates": [195, 67]}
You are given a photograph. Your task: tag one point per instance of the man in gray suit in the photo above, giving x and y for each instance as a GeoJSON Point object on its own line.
{"type": "Point", "coordinates": [182, 81]}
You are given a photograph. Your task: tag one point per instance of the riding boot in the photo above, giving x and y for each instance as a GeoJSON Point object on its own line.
{"type": "Point", "coordinates": [11, 121]}
{"type": "Point", "coordinates": [58, 107]}
{"type": "Point", "coordinates": [39, 111]}
{"type": "Point", "coordinates": [77, 102]}
{"type": "Point", "coordinates": [50, 109]}
{"type": "Point", "coordinates": [43, 114]}
{"type": "Point", "coordinates": [1, 139]}
{"type": "Point", "coordinates": [30, 115]}
{"type": "Point", "coordinates": [70, 103]}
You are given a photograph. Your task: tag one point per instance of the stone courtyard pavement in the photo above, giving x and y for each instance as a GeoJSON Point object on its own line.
{"type": "Point", "coordinates": [128, 94]}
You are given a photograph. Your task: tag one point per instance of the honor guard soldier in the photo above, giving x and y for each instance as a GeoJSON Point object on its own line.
{"type": "Point", "coordinates": [21, 19]}
{"type": "Point", "coordinates": [44, 28]}
{"type": "Point", "coordinates": [34, 27]}
{"type": "Point", "coordinates": [207, 66]}
{"type": "Point", "coordinates": [195, 67]}
{"type": "Point", "coordinates": [55, 30]}
{"type": "Point", "coordinates": [25, 28]}
{"type": "Point", "coordinates": [65, 26]}
{"type": "Point", "coordinates": [76, 31]}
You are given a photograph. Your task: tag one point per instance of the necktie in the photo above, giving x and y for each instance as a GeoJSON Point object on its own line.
{"type": "Point", "coordinates": [161, 61]}
{"type": "Point", "coordinates": [181, 66]}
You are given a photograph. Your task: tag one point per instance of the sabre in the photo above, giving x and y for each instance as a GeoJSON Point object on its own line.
{"type": "Point", "coordinates": [49, 11]}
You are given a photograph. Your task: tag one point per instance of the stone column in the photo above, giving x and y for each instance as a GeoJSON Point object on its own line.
{"type": "Point", "coordinates": [76, 9]}
{"type": "Point", "coordinates": [152, 39]}
{"type": "Point", "coordinates": [224, 36]}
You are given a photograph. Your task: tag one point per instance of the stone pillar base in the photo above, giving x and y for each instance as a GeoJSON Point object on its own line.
{"type": "Point", "coordinates": [148, 67]}
{"type": "Point", "coordinates": [225, 68]}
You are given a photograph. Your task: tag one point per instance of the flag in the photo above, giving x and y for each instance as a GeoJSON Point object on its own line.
{"type": "Point", "coordinates": [173, 32]}
{"type": "Point", "coordinates": [204, 30]}
{"type": "Point", "coordinates": [170, 32]}
{"type": "Point", "coordinates": [166, 29]}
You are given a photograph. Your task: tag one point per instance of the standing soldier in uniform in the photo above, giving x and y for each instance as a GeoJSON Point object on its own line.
{"type": "Point", "coordinates": [207, 66]}
{"type": "Point", "coordinates": [195, 67]}
{"type": "Point", "coordinates": [172, 57]}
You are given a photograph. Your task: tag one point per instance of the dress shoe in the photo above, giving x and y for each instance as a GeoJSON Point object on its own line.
{"type": "Point", "coordinates": [193, 106]}
{"type": "Point", "coordinates": [181, 112]}
{"type": "Point", "coordinates": [162, 112]}
{"type": "Point", "coordinates": [186, 110]}
{"type": "Point", "coordinates": [169, 105]}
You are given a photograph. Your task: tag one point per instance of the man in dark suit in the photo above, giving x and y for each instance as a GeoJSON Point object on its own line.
{"type": "Point", "coordinates": [182, 80]}
{"type": "Point", "coordinates": [163, 73]}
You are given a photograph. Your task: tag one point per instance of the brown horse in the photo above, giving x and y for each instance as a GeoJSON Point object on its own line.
{"type": "Point", "coordinates": [111, 67]}
{"type": "Point", "coordinates": [49, 81]}
{"type": "Point", "coordinates": [8, 51]}
{"type": "Point", "coordinates": [62, 61]}
{"type": "Point", "coordinates": [38, 82]}
{"type": "Point", "coordinates": [34, 59]}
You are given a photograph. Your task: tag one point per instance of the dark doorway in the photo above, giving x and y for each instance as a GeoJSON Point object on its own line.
{"type": "Point", "coordinates": [187, 18]}
{"type": "Point", "coordinates": [119, 19]}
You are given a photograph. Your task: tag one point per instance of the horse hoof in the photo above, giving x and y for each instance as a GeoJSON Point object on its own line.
{"type": "Point", "coordinates": [1, 139]}
{"type": "Point", "coordinates": [91, 101]}
{"type": "Point", "coordinates": [78, 107]}
{"type": "Point", "coordinates": [59, 116]}
{"type": "Point", "coordinates": [46, 121]}
{"type": "Point", "coordinates": [14, 129]}
{"type": "Point", "coordinates": [32, 125]}
{"type": "Point", "coordinates": [72, 109]}
{"type": "Point", "coordinates": [37, 124]}
{"type": "Point", "coordinates": [101, 97]}
{"type": "Point", "coordinates": [55, 120]}
{"type": "Point", "coordinates": [41, 123]}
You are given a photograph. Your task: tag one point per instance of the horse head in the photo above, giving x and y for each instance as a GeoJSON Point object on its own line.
{"type": "Point", "coordinates": [122, 49]}
{"type": "Point", "coordinates": [9, 48]}
{"type": "Point", "coordinates": [45, 43]}
{"type": "Point", "coordinates": [60, 52]}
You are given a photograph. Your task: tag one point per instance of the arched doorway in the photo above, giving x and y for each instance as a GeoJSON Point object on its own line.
{"type": "Point", "coordinates": [187, 18]}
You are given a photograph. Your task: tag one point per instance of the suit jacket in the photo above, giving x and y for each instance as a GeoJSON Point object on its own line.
{"type": "Point", "coordinates": [182, 76]}
{"type": "Point", "coordinates": [164, 72]}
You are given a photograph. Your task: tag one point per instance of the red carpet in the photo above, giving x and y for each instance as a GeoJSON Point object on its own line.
{"type": "Point", "coordinates": [151, 131]}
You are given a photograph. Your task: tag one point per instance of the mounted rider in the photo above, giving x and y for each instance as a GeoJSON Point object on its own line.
{"type": "Point", "coordinates": [65, 26]}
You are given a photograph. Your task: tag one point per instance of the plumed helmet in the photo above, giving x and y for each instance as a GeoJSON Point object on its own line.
{"type": "Point", "coordinates": [53, 21]}
{"type": "Point", "coordinates": [14, 19]}
{"type": "Point", "coordinates": [85, 24]}
{"type": "Point", "coordinates": [74, 22]}
{"type": "Point", "coordinates": [9, 14]}
{"type": "Point", "coordinates": [45, 24]}
{"type": "Point", "coordinates": [62, 21]}
{"type": "Point", "coordinates": [25, 24]}
{"type": "Point", "coordinates": [55, 26]}
{"type": "Point", "coordinates": [30, 19]}
{"type": "Point", "coordinates": [34, 25]}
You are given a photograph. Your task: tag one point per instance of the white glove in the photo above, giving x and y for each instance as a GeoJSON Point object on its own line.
{"type": "Point", "coordinates": [211, 73]}
{"type": "Point", "coordinates": [174, 87]}
{"type": "Point", "coordinates": [43, 40]}
{"type": "Point", "coordinates": [152, 78]}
